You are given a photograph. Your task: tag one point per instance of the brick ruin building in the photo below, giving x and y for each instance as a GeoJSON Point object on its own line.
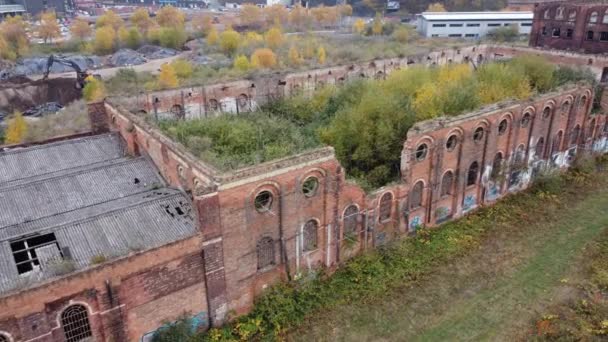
{"type": "Point", "coordinates": [580, 26]}
{"type": "Point", "coordinates": [113, 233]}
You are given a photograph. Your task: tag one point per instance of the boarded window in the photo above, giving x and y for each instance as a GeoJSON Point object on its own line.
{"type": "Point", "coordinates": [386, 204]}
{"type": "Point", "coordinates": [416, 195]}
{"type": "Point", "coordinates": [350, 219]}
{"type": "Point", "coordinates": [447, 183]}
{"type": "Point", "coordinates": [472, 174]}
{"type": "Point", "coordinates": [265, 251]}
{"type": "Point", "coordinates": [75, 323]}
{"type": "Point", "coordinates": [310, 236]}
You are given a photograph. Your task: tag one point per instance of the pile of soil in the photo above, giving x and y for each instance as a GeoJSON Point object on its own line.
{"type": "Point", "coordinates": [20, 93]}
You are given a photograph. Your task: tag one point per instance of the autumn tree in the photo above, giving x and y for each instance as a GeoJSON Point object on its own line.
{"type": "Point", "coordinates": [276, 15]}
{"type": "Point", "coordinates": [250, 15]}
{"type": "Point", "coordinates": [359, 26]}
{"type": "Point", "coordinates": [133, 38]}
{"type": "Point", "coordinates": [104, 40]}
{"type": "Point", "coordinates": [14, 31]}
{"type": "Point", "coordinates": [167, 77]}
{"type": "Point", "coordinates": [229, 41]}
{"type": "Point", "coordinates": [5, 50]}
{"type": "Point", "coordinates": [298, 17]}
{"type": "Point", "coordinates": [94, 90]}
{"type": "Point", "coordinates": [212, 37]}
{"type": "Point", "coordinates": [48, 28]}
{"type": "Point", "coordinates": [183, 69]}
{"type": "Point", "coordinates": [293, 56]}
{"type": "Point", "coordinates": [377, 25]}
{"type": "Point", "coordinates": [253, 38]}
{"type": "Point", "coordinates": [169, 16]}
{"type": "Point", "coordinates": [141, 19]}
{"type": "Point", "coordinates": [111, 19]}
{"type": "Point", "coordinates": [80, 29]}
{"type": "Point", "coordinates": [401, 35]}
{"type": "Point", "coordinates": [274, 38]}
{"type": "Point", "coordinates": [172, 37]}
{"type": "Point", "coordinates": [202, 23]}
{"type": "Point", "coordinates": [16, 129]}
{"type": "Point", "coordinates": [436, 7]}
{"type": "Point", "coordinates": [321, 56]}
{"type": "Point", "coordinates": [241, 63]}
{"type": "Point", "coordinates": [263, 58]}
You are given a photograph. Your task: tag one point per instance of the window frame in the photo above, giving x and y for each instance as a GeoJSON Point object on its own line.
{"type": "Point", "coordinates": [82, 315]}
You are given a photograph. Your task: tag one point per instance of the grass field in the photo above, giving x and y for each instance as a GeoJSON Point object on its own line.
{"type": "Point", "coordinates": [492, 293]}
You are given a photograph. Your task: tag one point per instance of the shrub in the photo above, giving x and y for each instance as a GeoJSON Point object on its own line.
{"type": "Point", "coordinates": [173, 38]}
{"type": "Point", "coordinates": [241, 63]}
{"type": "Point", "coordinates": [263, 58]}
{"type": "Point", "coordinates": [359, 26]}
{"type": "Point", "coordinates": [504, 34]}
{"type": "Point", "coordinates": [274, 38]}
{"type": "Point", "coordinates": [133, 39]}
{"type": "Point", "coordinates": [167, 77]}
{"type": "Point", "coordinates": [182, 68]}
{"type": "Point", "coordinates": [293, 56]}
{"type": "Point", "coordinates": [171, 17]}
{"type": "Point", "coordinates": [321, 56]}
{"type": "Point", "coordinates": [16, 129]}
{"type": "Point", "coordinates": [94, 90]}
{"type": "Point", "coordinates": [212, 37]}
{"type": "Point", "coordinates": [401, 35]}
{"type": "Point", "coordinates": [104, 40]}
{"type": "Point", "coordinates": [229, 41]}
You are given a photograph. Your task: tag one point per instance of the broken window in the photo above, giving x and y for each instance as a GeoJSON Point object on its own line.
{"type": "Point", "coordinates": [472, 174]}
{"type": "Point", "coordinates": [243, 101]}
{"type": "Point", "coordinates": [557, 142]}
{"type": "Point", "coordinates": [386, 205]}
{"type": "Point", "coordinates": [556, 32]}
{"type": "Point", "coordinates": [540, 148]}
{"type": "Point", "coordinates": [593, 18]}
{"type": "Point", "coordinates": [4, 338]}
{"type": "Point", "coordinates": [478, 134]}
{"type": "Point", "coordinates": [75, 323]}
{"type": "Point", "coordinates": [496, 166]}
{"type": "Point", "coordinates": [350, 219]}
{"type": "Point", "coordinates": [416, 195]}
{"type": "Point", "coordinates": [589, 35]}
{"type": "Point", "coordinates": [544, 31]}
{"type": "Point", "coordinates": [572, 15]}
{"type": "Point", "coordinates": [525, 120]}
{"type": "Point", "coordinates": [446, 183]}
{"type": "Point", "coordinates": [559, 13]}
{"type": "Point", "coordinates": [569, 33]}
{"type": "Point", "coordinates": [502, 127]}
{"type": "Point", "coordinates": [421, 152]}
{"type": "Point", "coordinates": [309, 234]}
{"type": "Point", "coordinates": [265, 251]}
{"type": "Point", "coordinates": [604, 36]}
{"type": "Point", "coordinates": [451, 143]}
{"type": "Point", "coordinates": [310, 186]}
{"type": "Point", "coordinates": [263, 201]}
{"type": "Point", "coordinates": [24, 251]}
{"type": "Point", "coordinates": [575, 134]}
{"type": "Point", "coordinates": [546, 112]}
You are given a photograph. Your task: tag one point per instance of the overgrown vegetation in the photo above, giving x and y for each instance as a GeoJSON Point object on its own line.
{"type": "Point", "coordinates": [373, 275]}
{"type": "Point", "coordinates": [365, 121]}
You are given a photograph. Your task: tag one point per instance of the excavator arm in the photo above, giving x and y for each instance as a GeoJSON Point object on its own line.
{"type": "Point", "coordinates": [81, 75]}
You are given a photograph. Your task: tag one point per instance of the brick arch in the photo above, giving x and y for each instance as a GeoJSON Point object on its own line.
{"type": "Point", "coordinates": [426, 139]}
{"type": "Point", "coordinates": [71, 303]}
{"type": "Point", "coordinates": [6, 335]}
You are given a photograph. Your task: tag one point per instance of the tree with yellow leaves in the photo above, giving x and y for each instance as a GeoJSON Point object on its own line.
{"type": "Point", "coordinates": [16, 129]}
{"type": "Point", "coordinates": [104, 40]}
{"type": "Point", "coordinates": [253, 38]}
{"type": "Point", "coordinates": [110, 19]}
{"type": "Point", "coordinates": [321, 56]}
{"type": "Point", "coordinates": [294, 56]}
{"type": "Point", "coordinates": [5, 50]}
{"type": "Point", "coordinates": [274, 38]}
{"type": "Point", "coordinates": [241, 63]}
{"type": "Point", "coordinates": [229, 41]}
{"type": "Point", "coordinates": [183, 69]}
{"type": "Point", "coordinates": [212, 37]}
{"type": "Point", "coordinates": [172, 17]}
{"type": "Point", "coordinates": [401, 35]}
{"type": "Point", "coordinates": [377, 25]}
{"type": "Point", "coordinates": [141, 19]}
{"type": "Point", "coordinates": [276, 15]}
{"type": "Point", "coordinates": [250, 15]}
{"type": "Point", "coordinates": [298, 17]}
{"type": "Point", "coordinates": [80, 29]}
{"type": "Point", "coordinates": [436, 7]}
{"type": "Point", "coordinates": [359, 26]}
{"type": "Point", "coordinates": [167, 77]}
{"type": "Point", "coordinates": [202, 22]}
{"type": "Point", "coordinates": [94, 90]}
{"type": "Point", "coordinates": [48, 28]}
{"type": "Point", "coordinates": [14, 31]}
{"type": "Point", "coordinates": [263, 58]}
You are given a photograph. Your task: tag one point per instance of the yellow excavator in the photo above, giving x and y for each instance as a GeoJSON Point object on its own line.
{"type": "Point", "coordinates": [81, 75]}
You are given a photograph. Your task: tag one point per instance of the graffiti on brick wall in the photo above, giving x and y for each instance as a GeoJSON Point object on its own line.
{"type": "Point", "coordinates": [416, 222]}
{"type": "Point", "coordinates": [470, 203]}
{"type": "Point", "coordinates": [493, 192]}
{"type": "Point", "coordinates": [197, 322]}
{"type": "Point", "coordinates": [601, 145]}
{"type": "Point", "coordinates": [442, 214]}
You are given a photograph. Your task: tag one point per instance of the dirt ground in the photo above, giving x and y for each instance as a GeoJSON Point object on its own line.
{"type": "Point", "coordinates": [22, 93]}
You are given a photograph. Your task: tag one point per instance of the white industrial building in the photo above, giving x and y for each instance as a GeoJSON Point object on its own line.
{"type": "Point", "coordinates": [471, 24]}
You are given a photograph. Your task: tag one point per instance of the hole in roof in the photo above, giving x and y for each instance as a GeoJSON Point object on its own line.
{"type": "Point", "coordinates": [136, 181]}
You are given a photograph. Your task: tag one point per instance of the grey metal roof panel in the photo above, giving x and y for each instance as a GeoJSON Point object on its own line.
{"type": "Point", "coordinates": [24, 162]}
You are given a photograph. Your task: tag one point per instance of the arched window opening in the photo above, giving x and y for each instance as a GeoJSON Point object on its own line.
{"type": "Point", "coordinates": [263, 201]}
{"type": "Point", "coordinates": [566, 107]}
{"type": "Point", "coordinates": [546, 113]}
{"type": "Point", "coordinates": [451, 143]}
{"type": "Point", "coordinates": [75, 323]}
{"type": "Point", "coordinates": [520, 154]}
{"type": "Point", "coordinates": [591, 129]}
{"type": "Point", "coordinates": [547, 14]}
{"type": "Point", "coordinates": [496, 166]}
{"type": "Point", "coordinates": [214, 105]}
{"type": "Point", "coordinates": [416, 195]}
{"type": "Point", "coordinates": [386, 205]}
{"type": "Point", "coordinates": [243, 101]}
{"type": "Point", "coordinates": [559, 13]}
{"type": "Point", "coordinates": [575, 134]}
{"type": "Point", "coordinates": [540, 148]}
{"type": "Point", "coordinates": [265, 251]}
{"type": "Point", "coordinates": [593, 18]}
{"type": "Point", "coordinates": [473, 173]}
{"type": "Point", "coordinates": [4, 337]}
{"type": "Point", "coordinates": [572, 16]}
{"type": "Point", "coordinates": [478, 134]}
{"type": "Point", "coordinates": [421, 152]}
{"type": "Point", "coordinates": [310, 236]}
{"type": "Point", "coordinates": [350, 220]}
{"type": "Point", "coordinates": [605, 18]}
{"type": "Point", "coordinates": [590, 35]}
{"type": "Point", "coordinates": [525, 120]}
{"type": "Point", "coordinates": [447, 183]}
{"type": "Point", "coordinates": [502, 127]}
{"type": "Point", "coordinates": [557, 142]}
{"type": "Point", "coordinates": [583, 102]}
{"type": "Point", "coordinates": [310, 186]}
{"type": "Point", "coordinates": [177, 112]}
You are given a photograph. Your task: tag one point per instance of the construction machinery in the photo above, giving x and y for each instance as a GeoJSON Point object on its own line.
{"type": "Point", "coordinates": [81, 75]}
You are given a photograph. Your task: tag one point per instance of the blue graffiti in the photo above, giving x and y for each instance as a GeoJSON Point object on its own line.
{"type": "Point", "coordinates": [196, 322]}
{"type": "Point", "coordinates": [470, 202]}
{"type": "Point", "coordinates": [493, 192]}
{"type": "Point", "coordinates": [416, 222]}
{"type": "Point", "coordinates": [442, 214]}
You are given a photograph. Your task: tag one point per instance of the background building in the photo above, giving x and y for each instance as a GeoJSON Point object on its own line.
{"type": "Point", "coordinates": [10, 8]}
{"type": "Point", "coordinates": [471, 24]}
{"type": "Point", "coordinates": [579, 27]}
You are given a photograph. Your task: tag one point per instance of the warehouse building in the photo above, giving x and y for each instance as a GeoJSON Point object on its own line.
{"type": "Point", "coordinates": [471, 24]}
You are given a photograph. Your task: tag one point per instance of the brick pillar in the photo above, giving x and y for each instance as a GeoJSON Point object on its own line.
{"type": "Point", "coordinates": [208, 208]}
{"type": "Point", "coordinates": [98, 117]}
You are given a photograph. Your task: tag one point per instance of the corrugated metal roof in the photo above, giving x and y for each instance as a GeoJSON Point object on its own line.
{"type": "Point", "coordinates": [95, 200]}
{"type": "Point", "coordinates": [444, 16]}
